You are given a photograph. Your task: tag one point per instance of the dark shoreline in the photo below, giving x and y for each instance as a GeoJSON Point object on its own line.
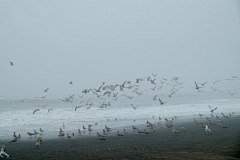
{"type": "Point", "coordinates": [193, 143]}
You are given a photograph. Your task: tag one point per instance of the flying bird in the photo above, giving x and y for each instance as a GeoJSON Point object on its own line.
{"type": "Point", "coordinates": [36, 110]}
{"type": "Point", "coordinates": [161, 101]}
{"type": "Point", "coordinates": [11, 63]}
{"type": "Point", "coordinates": [45, 90]}
{"type": "Point", "coordinates": [197, 86]}
{"type": "Point", "coordinates": [134, 107]}
{"type": "Point", "coordinates": [212, 110]}
{"type": "Point", "coordinates": [71, 82]}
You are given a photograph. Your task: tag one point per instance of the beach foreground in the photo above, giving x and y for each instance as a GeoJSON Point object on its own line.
{"type": "Point", "coordinates": [194, 143]}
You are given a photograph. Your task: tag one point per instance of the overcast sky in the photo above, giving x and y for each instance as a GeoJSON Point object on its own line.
{"type": "Point", "coordinates": [87, 42]}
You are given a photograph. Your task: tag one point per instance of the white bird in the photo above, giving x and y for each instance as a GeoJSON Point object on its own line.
{"type": "Point", "coordinates": [3, 154]}
{"type": "Point", "coordinates": [207, 129]}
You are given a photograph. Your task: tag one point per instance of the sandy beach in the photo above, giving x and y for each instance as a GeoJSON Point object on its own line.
{"type": "Point", "coordinates": [193, 143]}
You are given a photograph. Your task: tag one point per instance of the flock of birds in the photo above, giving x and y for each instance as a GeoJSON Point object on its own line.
{"type": "Point", "coordinates": [169, 124]}
{"type": "Point", "coordinates": [110, 91]}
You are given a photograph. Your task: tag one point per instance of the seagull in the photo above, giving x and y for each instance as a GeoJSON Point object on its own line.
{"type": "Point", "coordinates": [71, 82]}
{"type": "Point", "coordinates": [134, 107]}
{"type": "Point", "coordinates": [200, 115]}
{"type": "Point", "coordinates": [154, 75]}
{"type": "Point", "coordinates": [14, 140]}
{"type": "Point", "coordinates": [42, 96]}
{"type": "Point", "coordinates": [119, 134]}
{"type": "Point", "coordinates": [134, 127]}
{"type": "Point", "coordinates": [202, 83]}
{"type": "Point", "coordinates": [35, 132]}
{"type": "Point", "coordinates": [73, 137]}
{"type": "Point", "coordinates": [207, 129]}
{"type": "Point", "coordinates": [3, 154]}
{"type": "Point", "coordinates": [161, 101]}
{"type": "Point", "coordinates": [30, 134]}
{"type": "Point", "coordinates": [45, 90]}
{"type": "Point", "coordinates": [2, 145]}
{"type": "Point", "coordinates": [212, 110]}
{"type": "Point", "coordinates": [14, 135]}
{"type": "Point", "coordinates": [11, 63]}
{"type": "Point", "coordinates": [68, 136]}
{"type": "Point", "coordinates": [38, 142]}
{"type": "Point", "coordinates": [43, 105]}
{"type": "Point", "coordinates": [36, 110]}
{"type": "Point", "coordinates": [175, 131]}
{"type": "Point", "coordinates": [50, 110]}
{"type": "Point", "coordinates": [197, 86]}
{"type": "Point", "coordinates": [183, 128]}
{"type": "Point", "coordinates": [61, 134]}
{"type": "Point", "coordinates": [154, 98]}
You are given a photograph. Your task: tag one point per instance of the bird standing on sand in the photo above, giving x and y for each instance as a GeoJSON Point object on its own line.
{"type": "Point", "coordinates": [175, 131]}
{"type": "Point", "coordinates": [37, 143]}
{"type": "Point", "coordinates": [73, 137]}
{"type": "Point", "coordinates": [4, 154]}
{"type": "Point", "coordinates": [14, 140]}
{"type": "Point", "coordinates": [207, 129]}
{"type": "Point", "coordinates": [183, 128]}
{"type": "Point", "coordinates": [2, 145]}
{"type": "Point", "coordinates": [119, 134]}
{"type": "Point", "coordinates": [79, 131]}
{"type": "Point", "coordinates": [14, 135]}
{"type": "Point", "coordinates": [61, 134]}
{"type": "Point", "coordinates": [68, 136]}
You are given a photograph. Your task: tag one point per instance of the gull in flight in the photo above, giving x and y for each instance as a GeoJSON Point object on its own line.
{"type": "Point", "coordinates": [71, 82]}
{"type": "Point", "coordinates": [161, 101]}
{"type": "Point", "coordinates": [42, 96]}
{"type": "Point", "coordinates": [197, 86]}
{"type": "Point", "coordinates": [45, 90]}
{"type": "Point", "coordinates": [11, 63]}
{"type": "Point", "coordinates": [202, 83]}
{"type": "Point", "coordinates": [212, 110]}
{"type": "Point", "coordinates": [154, 75]}
{"type": "Point", "coordinates": [36, 110]}
{"type": "Point", "coordinates": [134, 107]}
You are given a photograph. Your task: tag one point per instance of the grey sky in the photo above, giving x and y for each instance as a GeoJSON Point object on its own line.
{"type": "Point", "coordinates": [54, 42]}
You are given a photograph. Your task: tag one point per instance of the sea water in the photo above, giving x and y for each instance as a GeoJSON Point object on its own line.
{"type": "Point", "coordinates": [17, 116]}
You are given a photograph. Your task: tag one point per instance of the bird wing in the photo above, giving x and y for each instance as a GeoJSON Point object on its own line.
{"type": "Point", "coordinates": [36, 110]}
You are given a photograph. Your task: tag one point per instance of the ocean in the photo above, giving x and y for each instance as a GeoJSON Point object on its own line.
{"type": "Point", "coordinates": [17, 115]}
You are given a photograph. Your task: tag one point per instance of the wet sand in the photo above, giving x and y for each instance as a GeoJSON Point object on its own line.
{"type": "Point", "coordinates": [193, 143]}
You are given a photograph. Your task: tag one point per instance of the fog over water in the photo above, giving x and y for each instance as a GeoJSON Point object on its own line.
{"type": "Point", "coordinates": [177, 43]}
{"type": "Point", "coordinates": [55, 42]}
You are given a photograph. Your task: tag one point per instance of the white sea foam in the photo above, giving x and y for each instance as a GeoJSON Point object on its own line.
{"type": "Point", "coordinates": [19, 117]}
